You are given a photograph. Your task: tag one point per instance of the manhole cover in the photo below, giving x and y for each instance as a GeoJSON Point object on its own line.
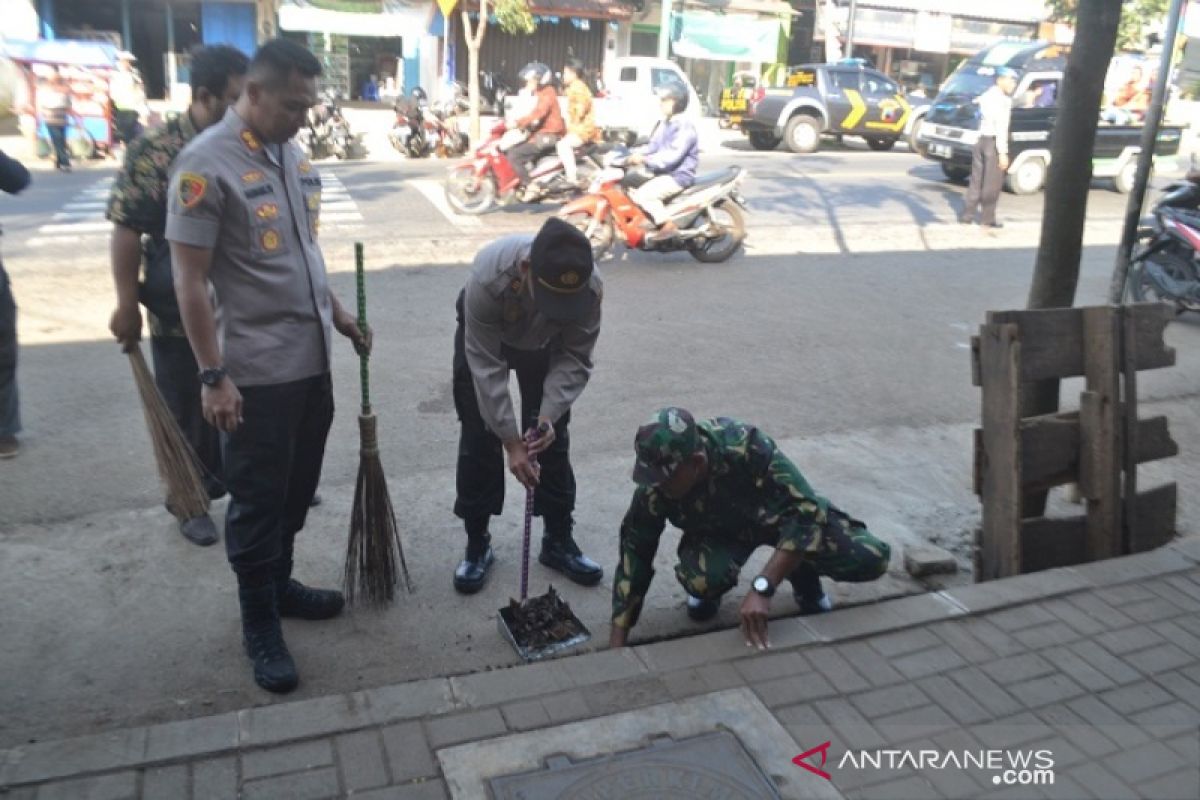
{"type": "Point", "coordinates": [714, 765]}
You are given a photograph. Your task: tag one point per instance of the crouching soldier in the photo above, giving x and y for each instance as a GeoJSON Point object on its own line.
{"type": "Point", "coordinates": [728, 487]}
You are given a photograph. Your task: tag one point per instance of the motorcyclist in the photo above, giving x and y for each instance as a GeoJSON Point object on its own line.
{"type": "Point", "coordinates": [672, 155]}
{"type": "Point", "coordinates": [581, 119]}
{"type": "Point", "coordinates": [544, 122]}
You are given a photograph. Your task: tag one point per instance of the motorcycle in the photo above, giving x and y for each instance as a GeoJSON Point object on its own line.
{"type": "Point", "coordinates": [708, 213]}
{"type": "Point", "coordinates": [490, 180]}
{"type": "Point", "coordinates": [328, 133]}
{"type": "Point", "coordinates": [425, 130]}
{"type": "Point", "coordinates": [493, 91]}
{"type": "Point", "coordinates": [1164, 266]}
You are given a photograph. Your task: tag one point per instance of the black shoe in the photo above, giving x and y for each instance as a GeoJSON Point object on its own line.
{"type": "Point", "coordinates": [316, 501]}
{"type": "Point", "coordinates": [262, 637]}
{"type": "Point", "coordinates": [702, 610]}
{"type": "Point", "coordinates": [472, 571]}
{"type": "Point", "coordinates": [807, 591]}
{"type": "Point", "coordinates": [562, 554]}
{"type": "Point", "coordinates": [813, 605]}
{"type": "Point", "coordinates": [199, 530]}
{"type": "Point", "coordinates": [303, 602]}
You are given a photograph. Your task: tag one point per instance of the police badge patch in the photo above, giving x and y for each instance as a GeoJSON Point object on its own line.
{"type": "Point", "coordinates": [191, 189]}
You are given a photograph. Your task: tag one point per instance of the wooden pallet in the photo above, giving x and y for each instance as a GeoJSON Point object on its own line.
{"type": "Point", "coordinates": [1097, 447]}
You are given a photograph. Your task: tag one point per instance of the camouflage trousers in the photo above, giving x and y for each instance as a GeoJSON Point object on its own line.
{"type": "Point", "coordinates": [846, 551]}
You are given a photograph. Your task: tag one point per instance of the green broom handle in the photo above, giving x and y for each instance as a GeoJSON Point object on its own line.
{"type": "Point", "coordinates": [363, 359]}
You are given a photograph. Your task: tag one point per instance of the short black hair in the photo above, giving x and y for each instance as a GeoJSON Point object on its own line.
{"type": "Point", "coordinates": [575, 65]}
{"type": "Point", "coordinates": [213, 66]}
{"type": "Point", "coordinates": [277, 59]}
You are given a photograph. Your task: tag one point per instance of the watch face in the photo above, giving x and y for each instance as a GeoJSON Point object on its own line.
{"type": "Point", "coordinates": [761, 585]}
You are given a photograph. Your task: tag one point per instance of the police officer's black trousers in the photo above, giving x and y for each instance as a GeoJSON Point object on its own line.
{"type": "Point", "coordinates": [272, 468]}
{"type": "Point", "coordinates": [983, 192]}
{"type": "Point", "coordinates": [10, 416]}
{"type": "Point", "coordinates": [481, 468]}
{"type": "Point", "coordinates": [178, 380]}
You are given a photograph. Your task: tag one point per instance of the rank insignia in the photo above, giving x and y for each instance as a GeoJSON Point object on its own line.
{"type": "Point", "coordinates": [191, 189]}
{"type": "Point", "coordinates": [253, 176]}
{"type": "Point", "coordinates": [313, 201]}
{"type": "Point", "coordinates": [250, 140]}
{"type": "Point", "coordinates": [270, 239]}
{"type": "Point", "coordinates": [267, 211]}
{"type": "Point", "coordinates": [306, 166]}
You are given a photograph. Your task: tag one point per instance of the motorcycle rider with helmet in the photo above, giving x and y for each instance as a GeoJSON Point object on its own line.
{"type": "Point", "coordinates": [672, 155]}
{"type": "Point", "coordinates": [544, 122]}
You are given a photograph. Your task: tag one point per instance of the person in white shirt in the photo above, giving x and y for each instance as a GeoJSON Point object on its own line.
{"type": "Point", "coordinates": [989, 159]}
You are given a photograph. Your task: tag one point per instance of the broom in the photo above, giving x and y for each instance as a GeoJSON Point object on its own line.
{"type": "Point", "coordinates": [177, 463]}
{"type": "Point", "coordinates": [373, 550]}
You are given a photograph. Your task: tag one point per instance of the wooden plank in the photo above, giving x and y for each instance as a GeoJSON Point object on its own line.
{"type": "Point", "coordinates": [1129, 429]}
{"type": "Point", "coordinates": [1099, 433]}
{"type": "Point", "coordinates": [1050, 448]}
{"type": "Point", "coordinates": [1047, 543]}
{"type": "Point", "coordinates": [1000, 546]}
{"type": "Point", "coordinates": [976, 380]}
{"type": "Point", "coordinates": [1052, 339]}
{"type": "Point", "coordinates": [977, 463]}
{"type": "Point", "coordinates": [1148, 323]}
{"type": "Point", "coordinates": [1155, 517]}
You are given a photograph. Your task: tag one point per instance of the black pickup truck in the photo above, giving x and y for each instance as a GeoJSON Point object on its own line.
{"type": "Point", "coordinates": [843, 99]}
{"type": "Point", "coordinates": [951, 127]}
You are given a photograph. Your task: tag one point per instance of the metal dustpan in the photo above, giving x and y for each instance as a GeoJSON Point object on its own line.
{"type": "Point", "coordinates": [542, 626]}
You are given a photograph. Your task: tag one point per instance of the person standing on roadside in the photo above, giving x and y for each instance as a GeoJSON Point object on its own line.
{"type": "Point", "coordinates": [137, 207]}
{"type": "Point", "coordinates": [54, 108]}
{"type": "Point", "coordinates": [989, 158]}
{"type": "Point", "coordinates": [13, 179]}
{"type": "Point", "coordinates": [243, 212]}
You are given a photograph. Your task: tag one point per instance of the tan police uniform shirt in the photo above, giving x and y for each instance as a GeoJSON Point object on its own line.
{"type": "Point", "coordinates": [230, 193]}
{"type": "Point", "coordinates": [497, 311]}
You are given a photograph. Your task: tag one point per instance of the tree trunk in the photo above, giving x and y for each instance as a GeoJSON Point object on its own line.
{"type": "Point", "coordinates": [1056, 273]}
{"type": "Point", "coordinates": [474, 39]}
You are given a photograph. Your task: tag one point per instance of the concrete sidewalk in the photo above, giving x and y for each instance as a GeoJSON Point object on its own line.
{"type": "Point", "coordinates": [1093, 670]}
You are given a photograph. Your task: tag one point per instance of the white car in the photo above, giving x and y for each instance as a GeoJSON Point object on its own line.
{"type": "Point", "coordinates": [630, 107]}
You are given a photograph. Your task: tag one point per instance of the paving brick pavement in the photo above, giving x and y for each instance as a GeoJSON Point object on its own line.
{"type": "Point", "coordinates": [1095, 667]}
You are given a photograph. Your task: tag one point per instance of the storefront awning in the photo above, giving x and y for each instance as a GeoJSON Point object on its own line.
{"type": "Point", "coordinates": [386, 18]}
{"type": "Point", "coordinates": [61, 51]}
{"type": "Point", "coordinates": [617, 10]}
{"type": "Point", "coordinates": [1009, 11]}
{"type": "Point", "coordinates": [727, 37]}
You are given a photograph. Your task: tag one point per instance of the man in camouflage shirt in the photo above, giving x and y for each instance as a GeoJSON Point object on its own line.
{"type": "Point", "coordinates": [727, 486]}
{"type": "Point", "coordinates": [137, 208]}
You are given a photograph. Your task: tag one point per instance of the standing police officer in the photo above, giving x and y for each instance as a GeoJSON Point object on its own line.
{"type": "Point", "coordinates": [532, 305]}
{"type": "Point", "coordinates": [989, 157]}
{"type": "Point", "coordinates": [137, 208]}
{"type": "Point", "coordinates": [243, 213]}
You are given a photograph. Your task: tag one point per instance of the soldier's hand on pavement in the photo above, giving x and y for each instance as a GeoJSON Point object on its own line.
{"type": "Point", "coordinates": [753, 612]}
{"type": "Point", "coordinates": [542, 437]}
{"type": "Point", "coordinates": [520, 465]}
{"type": "Point", "coordinates": [126, 325]}
{"type": "Point", "coordinates": [222, 405]}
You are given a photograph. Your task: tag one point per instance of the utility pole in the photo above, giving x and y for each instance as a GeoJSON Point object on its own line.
{"type": "Point", "coordinates": [850, 29]}
{"type": "Point", "coordinates": [1137, 197]}
{"type": "Point", "coordinates": [664, 30]}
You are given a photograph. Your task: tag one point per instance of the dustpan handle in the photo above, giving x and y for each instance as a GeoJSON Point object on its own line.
{"type": "Point", "coordinates": [363, 358]}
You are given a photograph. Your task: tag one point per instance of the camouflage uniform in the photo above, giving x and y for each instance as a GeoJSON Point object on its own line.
{"type": "Point", "coordinates": [752, 496]}
{"type": "Point", "coordinates": [138, 201]}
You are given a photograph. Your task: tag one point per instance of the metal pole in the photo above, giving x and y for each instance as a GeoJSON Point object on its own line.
{"type": "Point", "coordinates": [126, 27]}
{"type": "Point", "coordinates": [850, 29]}
{"type": "Point", "coordinates": [1137, 197]}
{"type": "Point", "coordinates": [170, 28]}
{"type": "Point", "coordinates": [664, 31]}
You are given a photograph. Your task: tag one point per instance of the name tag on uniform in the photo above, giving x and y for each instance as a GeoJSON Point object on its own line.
{"type": "Point", "coordinates": [259, 191]}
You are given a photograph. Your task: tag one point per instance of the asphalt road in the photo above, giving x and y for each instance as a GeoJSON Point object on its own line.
{"type": "Point", "coordinates": [842, 329]}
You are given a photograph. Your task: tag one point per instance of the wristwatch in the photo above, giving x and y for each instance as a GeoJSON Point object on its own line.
{"type": "Point", "coordinates": [762, 584]}
{"type": "Point", "coordinates": [212, 376]}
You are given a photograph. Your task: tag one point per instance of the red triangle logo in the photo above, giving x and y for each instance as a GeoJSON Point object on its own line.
{"type": "Point", "coordinates": [802, 760]}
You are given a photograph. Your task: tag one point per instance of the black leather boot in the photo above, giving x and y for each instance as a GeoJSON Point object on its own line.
{"type": "Point", "coordinates": [807, 591]}
{"type": "Point", "coordinates": [262, 635]}
{"type": "Point", "coordinates": [472, 571]}
{"type": "Point", "coordinates": [294, 599]}
{"type": "Point", "coordinates": [559, 552]}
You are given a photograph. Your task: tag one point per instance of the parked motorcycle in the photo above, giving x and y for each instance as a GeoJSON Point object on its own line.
{"type": "Point", "coordinates": [489, 179]}
{"type": "Point", "coordinates": [708, 213]}
{"type": "Point", "coordinates": [1164, 266]}
{"type": "Point", "coordinates": [421, 130]}
{"type": "Point", "coordinates": [328, 133]}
